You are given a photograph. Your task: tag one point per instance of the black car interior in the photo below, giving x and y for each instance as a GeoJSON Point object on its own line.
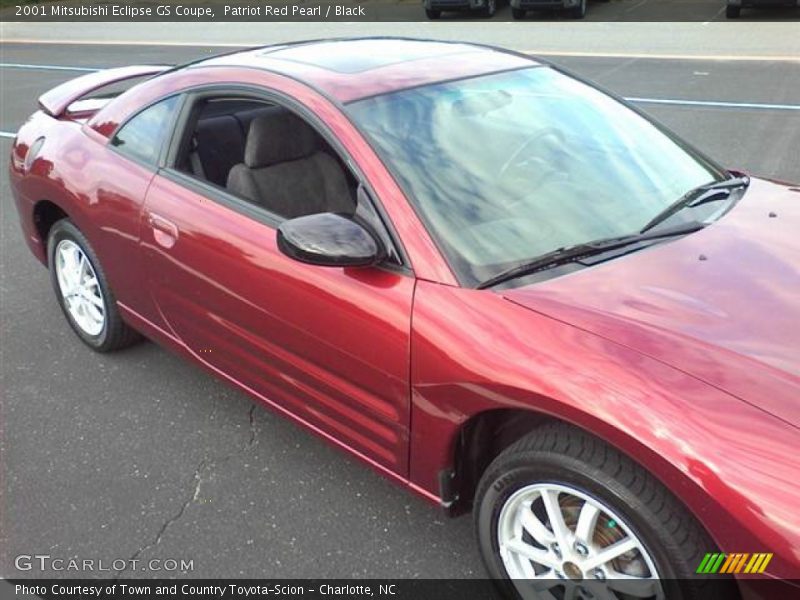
{"type": "Point", "coordinates": [267, 155]}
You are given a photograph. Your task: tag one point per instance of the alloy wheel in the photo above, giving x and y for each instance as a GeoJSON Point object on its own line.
{"type": "Point", "coordinates": [563, 544]}
{"type": "Point", "coordinates": [80, 288]}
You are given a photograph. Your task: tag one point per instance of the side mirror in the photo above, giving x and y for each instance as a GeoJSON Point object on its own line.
{"type": "Point", "coordinates": [328, 240]}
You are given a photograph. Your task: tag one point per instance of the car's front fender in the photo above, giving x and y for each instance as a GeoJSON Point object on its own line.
{"type": "Point", "coordinates": [733, 465]}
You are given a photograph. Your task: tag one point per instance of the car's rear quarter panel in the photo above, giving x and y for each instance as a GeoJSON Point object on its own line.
{"type": "Point", "coordinates": [26, 186]}
{"type": "Point", "coordinates": [98, 189]}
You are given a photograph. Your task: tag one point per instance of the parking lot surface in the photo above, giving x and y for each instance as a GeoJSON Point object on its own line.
{"type": "Point", "coordinates": [141, 455]}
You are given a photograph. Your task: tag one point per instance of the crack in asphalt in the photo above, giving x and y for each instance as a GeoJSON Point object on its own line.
{"type": "Point", "coordinates": [198, 479]}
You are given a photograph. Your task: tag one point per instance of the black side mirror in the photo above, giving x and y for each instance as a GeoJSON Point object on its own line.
{"type": "Point", "coordinates": [329, 240]}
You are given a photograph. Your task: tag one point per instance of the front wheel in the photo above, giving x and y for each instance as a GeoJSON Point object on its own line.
{"type": "Point", "coordinates": [83, 292]}
{"type": "Point", "coordinates": [432, 13]}
{"type": "Point", "coordinates": [561, 513]}
{"type": "Point", "coordinates": [517, 13]}
{"type": "Point", "coordinates": [733, 12]}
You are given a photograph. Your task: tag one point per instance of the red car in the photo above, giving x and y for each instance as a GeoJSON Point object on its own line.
{"type": "Point", "coordinates": [496, 284]}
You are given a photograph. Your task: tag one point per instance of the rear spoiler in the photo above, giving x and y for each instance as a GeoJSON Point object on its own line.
{"type": "Point", "coordinates": [57, 100]}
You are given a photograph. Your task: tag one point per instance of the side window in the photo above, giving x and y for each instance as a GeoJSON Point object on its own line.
{"type": "Point", "coordinates": [143, 136]}
{"type": "Point", "coordinates": [267, 156]}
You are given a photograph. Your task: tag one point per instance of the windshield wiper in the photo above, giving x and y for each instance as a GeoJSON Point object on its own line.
{"type": "Point", "coordinates": [710, 192]}
{"type": "Point", "coordinates": [570, 254]}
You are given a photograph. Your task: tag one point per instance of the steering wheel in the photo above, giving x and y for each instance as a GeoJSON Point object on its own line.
{"type": "Point", "coordinates": [513, 160]}
{"type": "Point", "coordinates": [534, 170]}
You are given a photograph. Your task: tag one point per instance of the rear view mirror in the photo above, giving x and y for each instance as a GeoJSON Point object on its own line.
{"type": "Point", "coordinates": [329, 240]}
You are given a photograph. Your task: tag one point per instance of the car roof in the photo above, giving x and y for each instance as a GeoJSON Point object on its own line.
{"type": "Point", "coordinates": [355, 68]}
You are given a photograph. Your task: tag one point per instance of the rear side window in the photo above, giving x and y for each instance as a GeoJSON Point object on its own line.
{"type": "Point", "coordinates": [143, 136]}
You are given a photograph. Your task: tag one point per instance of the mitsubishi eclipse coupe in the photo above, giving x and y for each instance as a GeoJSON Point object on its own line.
{"type": "Point", "coordinates": [496, 284]}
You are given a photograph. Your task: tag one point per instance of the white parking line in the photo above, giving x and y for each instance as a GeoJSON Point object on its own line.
{"type": "Point", "coordinates": [543, 52]}
{"type": "Point", "coordinates": [663, 101]}
{"type": "Point", "coordinates": [635, 100]}
{"type": "Point", "coordinates": [45, 67]}
{"type": "Point", "coordinates": [656, 56]}
{"type": "Point", "coordinates": [69, 42]}
{"type": "Point", "coordinates": [715, 104]}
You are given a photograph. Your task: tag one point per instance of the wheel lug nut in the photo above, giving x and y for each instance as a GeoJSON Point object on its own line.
{"type": "Point", "coordinates": [599, 575]}
{"type": "Point", "coordinates": [581, 549]}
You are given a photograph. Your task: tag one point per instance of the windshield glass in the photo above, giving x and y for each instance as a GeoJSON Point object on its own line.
{"type": "Point", "coordinates": [506, 167]}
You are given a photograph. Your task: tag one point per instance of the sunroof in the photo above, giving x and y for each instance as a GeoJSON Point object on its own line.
{"type": "Point", "coordinates": [357, 56]}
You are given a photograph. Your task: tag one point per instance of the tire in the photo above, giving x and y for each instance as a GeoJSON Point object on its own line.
{"type": "Point", "coordinates": [579, 11]}
{"type": "Point", "coordinates": [432, 13]}
{"type": "Point", "coordinates": [517, 13]}
{"type": "Point", "coordinates": [489, 9]}
{"type": "Point", "coordinates": [635, 506]}
{"type": "Point", "coordinates": [733, 12]}
{"type": "Point", "coordinates": [112, 332]}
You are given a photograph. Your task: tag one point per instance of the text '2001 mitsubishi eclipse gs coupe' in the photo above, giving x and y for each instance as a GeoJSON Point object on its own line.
{"type": "Point", "coordinates": [494, 283]}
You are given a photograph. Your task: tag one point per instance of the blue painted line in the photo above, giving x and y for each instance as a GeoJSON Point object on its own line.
{"type": "Point", "coordinates": [46, 67]}
{"type": "Point", "coordinates": [714, 104]}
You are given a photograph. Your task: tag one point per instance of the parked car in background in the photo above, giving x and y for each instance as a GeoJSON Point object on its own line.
{"type": "Point", "coordinates": [735, 7]}
{"type": "Point", "coordinates": [435, 8]}
{"type": "Point", "coordinates": [573, 8]}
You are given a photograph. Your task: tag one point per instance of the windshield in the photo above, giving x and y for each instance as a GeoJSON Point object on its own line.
{"type": "Point", "coordinates": [506, 167]}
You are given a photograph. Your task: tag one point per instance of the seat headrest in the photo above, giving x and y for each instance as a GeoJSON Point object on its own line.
{"type": "Point", "coordinates": [278, 137]}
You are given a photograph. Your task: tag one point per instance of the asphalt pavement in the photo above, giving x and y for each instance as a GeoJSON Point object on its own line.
{"type": "Point", "coordinates": [140, 454]}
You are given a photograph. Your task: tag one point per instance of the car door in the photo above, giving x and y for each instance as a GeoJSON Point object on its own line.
{"type": "Point", "coordinates": [329, 345]}
{"type": "Point", "coordinates": [118, 177]}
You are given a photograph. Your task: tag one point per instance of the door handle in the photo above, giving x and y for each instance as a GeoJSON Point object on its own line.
{"type": "Point", "coordinates": [165, 231]}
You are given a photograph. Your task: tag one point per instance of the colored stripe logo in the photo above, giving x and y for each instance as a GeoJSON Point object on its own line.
{"type": "Point", "coordinates": [720, 562]}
